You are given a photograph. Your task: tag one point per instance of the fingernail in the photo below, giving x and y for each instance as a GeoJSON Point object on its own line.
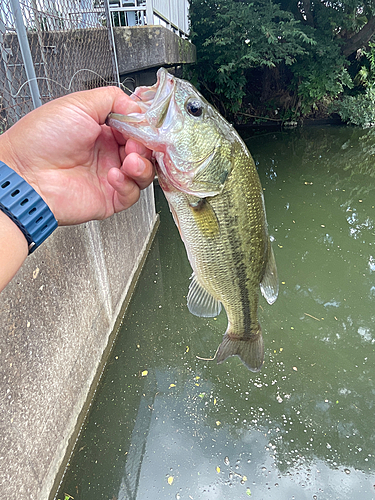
{"type": "Point", "coordinates": [140, 166]}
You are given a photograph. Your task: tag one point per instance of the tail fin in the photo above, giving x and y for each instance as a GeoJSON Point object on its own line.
{"type": "Point", "coordinates": [250, 351]}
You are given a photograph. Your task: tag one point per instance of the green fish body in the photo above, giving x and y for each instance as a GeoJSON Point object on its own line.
{"type": "Point", "coordinates": [214, 193]}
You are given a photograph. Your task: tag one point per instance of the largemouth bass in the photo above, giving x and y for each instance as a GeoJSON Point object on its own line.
{"type": "Point", "coordinates": [214, 193]}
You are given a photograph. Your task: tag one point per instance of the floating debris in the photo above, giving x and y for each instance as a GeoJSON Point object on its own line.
{"type": "Point", "coordinates": [310, 316]}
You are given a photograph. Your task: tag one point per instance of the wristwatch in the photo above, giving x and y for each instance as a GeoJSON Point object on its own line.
{"type": "Point", "coordinates": [21, 203]}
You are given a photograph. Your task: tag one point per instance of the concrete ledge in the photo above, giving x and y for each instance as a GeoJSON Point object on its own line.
{"type": "Point", "coordinates": [57, 318]}
{"type": "Point", "coordinates": [143, 47]}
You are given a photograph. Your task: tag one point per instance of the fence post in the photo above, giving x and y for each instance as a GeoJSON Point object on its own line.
{"type": "Point", "coordinates": [12, 110]}
{"type": "Point", "coordinates": [112, 43]}
{"type": "Point", "coordinates": [149, 13]}
{"type": "Point", "coordinates": [26, 53]}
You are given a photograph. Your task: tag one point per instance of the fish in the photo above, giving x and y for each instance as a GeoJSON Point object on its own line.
{"type": "Point", "coordinates": [214, 193]}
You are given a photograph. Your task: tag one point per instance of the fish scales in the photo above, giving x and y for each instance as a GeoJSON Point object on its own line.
{"type": "Point", "coordinates": [214, 193]}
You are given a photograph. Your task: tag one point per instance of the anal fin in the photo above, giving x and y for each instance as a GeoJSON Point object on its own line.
{"type": "Point", "coordinates": [200, 302]}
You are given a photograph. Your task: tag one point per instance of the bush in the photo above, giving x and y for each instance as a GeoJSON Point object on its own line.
{"type": "Point", "coordinates": [358, 110]}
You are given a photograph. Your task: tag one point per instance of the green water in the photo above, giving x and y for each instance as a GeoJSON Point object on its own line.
{"type": "Point", "coordinates": [167, 425]}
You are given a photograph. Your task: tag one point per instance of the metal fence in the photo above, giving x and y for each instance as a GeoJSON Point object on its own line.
{"type": "Point", "coordinates": [50, 48]}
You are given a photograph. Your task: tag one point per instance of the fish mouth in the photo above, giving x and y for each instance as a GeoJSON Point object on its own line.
{"type": "Point", "coordinates": [154, 98]}
{"type": "Point", "coordinates": [154, 102]}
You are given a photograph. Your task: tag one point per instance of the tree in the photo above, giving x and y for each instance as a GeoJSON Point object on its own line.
{"type": "Point", "coordinates": [285, 55]}
{"type": "Point", "coordinates": [234, 36]}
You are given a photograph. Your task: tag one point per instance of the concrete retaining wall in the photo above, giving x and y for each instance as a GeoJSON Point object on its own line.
{"type": "Point", "coordinates": [57, 321]}
{"type": "Point", "coordinates": [146, 47]}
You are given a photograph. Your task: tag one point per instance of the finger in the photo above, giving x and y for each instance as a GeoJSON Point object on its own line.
{"type": "Point", "coordinates": [98, 103]}
{"type": "Point", "coordinates": [127, 191]}
{"type": "Point", "coordinates": [140, 169]}
{"type": "Point", "coordinates": [135, 174]}
{"type": "Point", "coordinates": [119, 137]}
{"type": "Point", "coordinates": [133, 146]}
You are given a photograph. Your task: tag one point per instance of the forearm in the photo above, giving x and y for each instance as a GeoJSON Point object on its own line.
{"type": "Point", "coordinates": [13, 249]}
{"type": "Point", "coordinates": [13, 244]}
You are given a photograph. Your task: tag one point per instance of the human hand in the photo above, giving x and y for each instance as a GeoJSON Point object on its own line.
{"type": "Point", "coordinates": [80, 167]}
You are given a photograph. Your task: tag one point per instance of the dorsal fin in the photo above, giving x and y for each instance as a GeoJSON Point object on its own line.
{"type": "Point", "coordinates": [200, 302]}
{"type": "Point", "coordinates": [270, 284]}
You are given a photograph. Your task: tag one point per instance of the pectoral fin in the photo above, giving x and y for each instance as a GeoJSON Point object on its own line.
{"type": "Point", "coordinates": [204, 216]}
{"type": "Point", "coordinates": [200, 302]}
{"type": "Point", "coordinates": [270, 284]}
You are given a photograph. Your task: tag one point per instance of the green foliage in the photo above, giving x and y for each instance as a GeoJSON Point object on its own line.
{"type": "Point", "coordinates": [320, 74]}
{"type": "Point", "coordinates": [235, 36]}
{"type": "Point", "coordinates": [285, 54]}
{"type": "Point", "coordinates": [358, 110]}
{"type": "Point", "coordinates": [366, 73]}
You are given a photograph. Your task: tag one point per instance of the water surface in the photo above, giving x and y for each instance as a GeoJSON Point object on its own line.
{"type": "Point", "coordinates": [167, 425]}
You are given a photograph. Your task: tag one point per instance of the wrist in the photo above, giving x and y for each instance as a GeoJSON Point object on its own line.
{"type": "Point", "coordinates": [13, 249]}
{"type": "Point", "coordinates": [24, 206]}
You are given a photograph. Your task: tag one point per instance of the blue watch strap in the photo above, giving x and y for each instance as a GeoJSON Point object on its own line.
{"type": "Point", "coordinates": [20, 202]}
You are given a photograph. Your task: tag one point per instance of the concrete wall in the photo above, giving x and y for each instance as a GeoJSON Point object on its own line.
{"type": "Point", "coordinates": [57, 317]}
{"type": "Point", "coordinates": [146, 47]}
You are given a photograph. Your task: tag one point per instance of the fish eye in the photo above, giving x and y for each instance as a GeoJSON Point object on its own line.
{"type": "Point", "coordinates": [194, 107]}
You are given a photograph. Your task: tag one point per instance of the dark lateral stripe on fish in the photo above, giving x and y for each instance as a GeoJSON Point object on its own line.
{"type": "Point", "coordinates": [241, 271]}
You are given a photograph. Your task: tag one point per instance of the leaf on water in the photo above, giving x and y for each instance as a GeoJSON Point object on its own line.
{"type": "Point", "coordinates": [187, 349]}
{"type": "Point", "coordinates": [144, 373]}
{"type": "Point", "coordinates": [218, 422]}
{"type": "Point", "coordinates": [172, 385]}
{"type": "Point", "coordinates": [218, 469]}
{"type": "Point", "coordinates": [215, 401]}
{"type": "Point", "coordinates": [170, 480]}
{"type": "Point", "coordinates": [248, 492]}
{"type": "Point", "coordinates": [244, 478]}
{"type": "Point", "coordinates": [202, 395]}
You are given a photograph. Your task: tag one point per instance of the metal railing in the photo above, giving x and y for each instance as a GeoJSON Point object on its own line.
{"type": "Point", "coordinates": [172, 14]}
